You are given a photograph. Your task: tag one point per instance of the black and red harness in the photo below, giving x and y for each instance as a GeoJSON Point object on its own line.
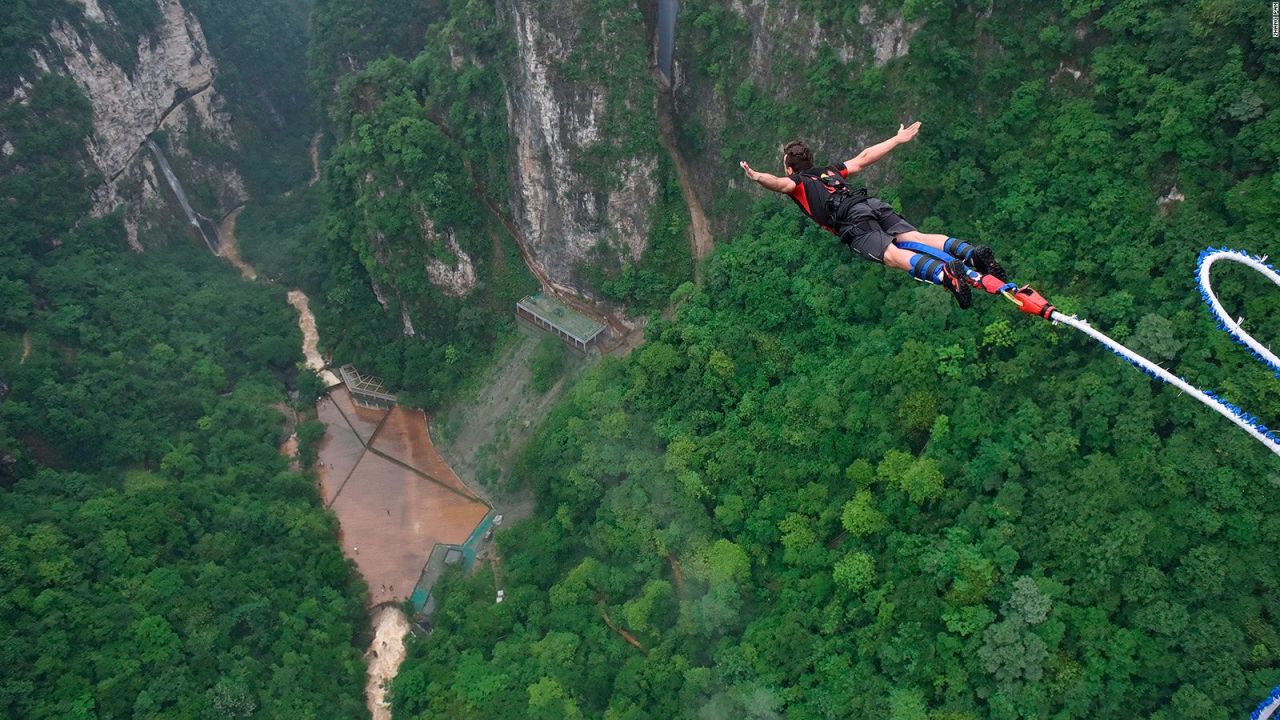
{"type": "Point", "coordinates": [839, 196]}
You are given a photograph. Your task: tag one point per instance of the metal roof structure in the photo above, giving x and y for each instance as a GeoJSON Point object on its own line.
{"type": "Point", "coordinates": [366, 390]}
{"type": "Point", "coordinates": [546, 313]}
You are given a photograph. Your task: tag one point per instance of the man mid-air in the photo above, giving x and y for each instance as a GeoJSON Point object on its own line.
{"type": "Point", "coordinates": [869, 226]}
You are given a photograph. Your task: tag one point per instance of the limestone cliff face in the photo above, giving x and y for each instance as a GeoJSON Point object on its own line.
{"type": "Point", "coordinates": [775, 57]}
{"type": "Point", "coordinates": [170, 88]}
{"type": "Point", "coordinates": [574, 185]}
{"type": "Point", "coordinates": [880, 38]}
{"type": "Point", "coordinates": [454, 280]}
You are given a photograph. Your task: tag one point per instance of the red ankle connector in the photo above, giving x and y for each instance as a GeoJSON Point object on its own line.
{"type": "Point", "coordinates": [1030, 301]}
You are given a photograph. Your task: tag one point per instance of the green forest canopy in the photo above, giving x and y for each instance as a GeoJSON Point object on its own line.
{"type": "Point", "coordinates": [812, 493]}
{"type": "Point", "coordinates": [821, 491]}
{"type": "Point", "coordinates": [158, 556]}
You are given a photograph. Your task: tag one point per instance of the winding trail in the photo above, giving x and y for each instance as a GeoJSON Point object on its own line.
{"type": "Point", "coordinates": [26, 347]}
{"type": "Point", "coordinates": [230, 247]}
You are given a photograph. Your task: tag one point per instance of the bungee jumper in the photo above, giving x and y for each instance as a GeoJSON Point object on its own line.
{"type": "Point", "coordinates": [872, 229]}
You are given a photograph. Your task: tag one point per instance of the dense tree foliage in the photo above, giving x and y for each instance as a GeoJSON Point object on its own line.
{"type": "Point", "coordinates": [24, 24]}
{"type": "Point", "coordinates": [345, 35]}
{"type": "Point", "coordinates": [760, 496]}
{"type": "Point", "coordinates": [822, 491]}
{"type": "Point", "coordinates": [410, 183]}
{"type": "Point", "coordinates": [260, 49]}
{"type": "Point", "coordinates": [420, 167]}
{"type": "Point", "coordinates": [401, 197]}
{"type": "Point", "coordinates": [818, 490]}
{"type": "Point", "coordinates": [158, 557]}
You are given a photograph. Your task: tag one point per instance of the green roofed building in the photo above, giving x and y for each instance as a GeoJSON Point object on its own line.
{"type": "Point", "coordinates": [545, 313]}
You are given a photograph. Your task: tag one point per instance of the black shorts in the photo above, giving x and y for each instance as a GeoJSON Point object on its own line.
{"type": "Point", "coordinates": [868, 227]}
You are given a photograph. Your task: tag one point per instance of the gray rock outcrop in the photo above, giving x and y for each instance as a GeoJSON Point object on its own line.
{"type": "Point", "coordinates": [564, 209]}
{"type": "Point", "coordinates": [170, 87]}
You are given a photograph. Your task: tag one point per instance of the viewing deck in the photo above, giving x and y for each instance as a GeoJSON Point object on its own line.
{"type": "Point", "coordinates": [577, 330]}
{"type": "Point", "coordinates": [366, 390]}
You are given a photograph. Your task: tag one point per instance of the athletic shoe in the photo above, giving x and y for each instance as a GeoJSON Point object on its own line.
{"type": "Point", "coordinates": [956, 280]}
{"type": "Point", "coordinates": [984, 261]}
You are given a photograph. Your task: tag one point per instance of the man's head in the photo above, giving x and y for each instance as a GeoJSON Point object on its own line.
{"type": "Point", "coordinates": [796, 157]}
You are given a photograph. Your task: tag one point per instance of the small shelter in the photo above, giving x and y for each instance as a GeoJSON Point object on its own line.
{"type": "Point", "coordinates": [577, 330]}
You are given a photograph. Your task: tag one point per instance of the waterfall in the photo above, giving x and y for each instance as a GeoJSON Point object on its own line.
{"type": "Point", "coordinates": [197, 220]}
{"type": "Point", "coordinates": [666, 34]}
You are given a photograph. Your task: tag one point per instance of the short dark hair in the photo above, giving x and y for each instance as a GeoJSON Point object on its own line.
{"type": "Point", "coordinates": [797, 156]}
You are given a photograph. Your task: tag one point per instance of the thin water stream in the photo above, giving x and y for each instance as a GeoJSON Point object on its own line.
{"type": "Point", "coordinates": [667, 10]}
{"type": "Point", "coordinates": [198, 221]}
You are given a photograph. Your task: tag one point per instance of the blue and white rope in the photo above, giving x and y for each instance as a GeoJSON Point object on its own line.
{"type": "Point", "coordinates": [1207, 259]}
{"type": "Point", "coordinates": [1247, 422]}
{"type": "Point", "coordinates": [1268, 707]}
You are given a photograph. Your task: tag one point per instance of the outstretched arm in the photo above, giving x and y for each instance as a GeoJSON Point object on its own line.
{"type": "Point", "coordinates": [879, 150]}
{"type": "Point", "coordinates": [767, 181]}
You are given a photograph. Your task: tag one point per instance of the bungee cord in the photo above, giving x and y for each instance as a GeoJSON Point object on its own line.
{"type": "Point", "coordinates": [1029, 301]}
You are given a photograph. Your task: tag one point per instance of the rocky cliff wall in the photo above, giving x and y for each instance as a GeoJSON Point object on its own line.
{"type": "Point", "coordinates": [582, 112]}
{"type": "Point", "coordinates": [787, 34]}
{"type": "Point", "coordinates": [170, 87]}
{"type": "Point", "coordinates": [581, 99]}
{"type": "Point", "coordinates": [784, 53]}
